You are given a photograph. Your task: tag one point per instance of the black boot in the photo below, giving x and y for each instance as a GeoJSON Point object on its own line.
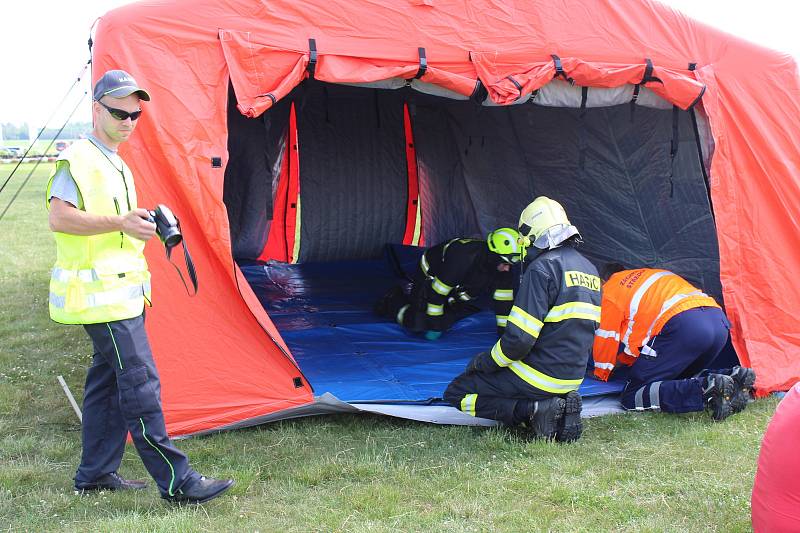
{"type": "Point", "coordinates": [571, 427]}
{"type": "Point", "coordinates": [717, 395]}
{"type": "Point", "coordinates": [544, 421]}
{"type": "Point", "coordinates": [744, 378]}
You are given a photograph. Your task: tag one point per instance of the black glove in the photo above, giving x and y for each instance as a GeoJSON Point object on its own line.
{"type": "Point", "coordinates": [483, 362]}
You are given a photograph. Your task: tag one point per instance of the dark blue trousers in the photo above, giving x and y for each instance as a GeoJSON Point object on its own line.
{"type": "Point", "coordinates": [670, 381]}
{"type": "Point", "coordinates": [123, 394]}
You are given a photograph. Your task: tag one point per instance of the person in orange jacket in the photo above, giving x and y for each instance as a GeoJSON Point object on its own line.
{"type": "Point", "coordinates": [669, 332]}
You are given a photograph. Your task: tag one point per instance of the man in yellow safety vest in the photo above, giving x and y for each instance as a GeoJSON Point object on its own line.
{"type": "Point", "coordinates": [100, 280]}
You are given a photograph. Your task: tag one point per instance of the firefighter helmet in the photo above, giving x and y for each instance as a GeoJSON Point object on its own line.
{"type": "Point", "coordinates": [544, 224]}
{"type": "Point", "coordinates": [505, 243]}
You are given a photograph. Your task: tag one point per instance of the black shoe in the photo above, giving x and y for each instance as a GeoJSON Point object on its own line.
{"type": "Point", "coordinates": [544, 421]}
{"type": "Point", "coordinates": [112, 481]}
{"type": "Point", "coordinates": [717, 395]}
{"type": "Point", "coordinates": [744, 378]}
{"type": "Point", "coordinates": [571, 427]}
{"type": "Point", "coordinates": [201, 490]}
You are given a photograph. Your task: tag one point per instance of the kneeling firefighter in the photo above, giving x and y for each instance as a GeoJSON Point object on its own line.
{"type": "Point", "coordinates": [532, 374]}
{"type": "Point", "coordinates": [449, 276]}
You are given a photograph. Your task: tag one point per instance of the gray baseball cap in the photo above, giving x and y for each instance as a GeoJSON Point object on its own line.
{"type": "Point", "coordinates": [118, 84]}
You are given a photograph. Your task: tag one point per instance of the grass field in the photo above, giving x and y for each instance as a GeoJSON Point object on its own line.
{"type": "Point", "coordinates": [644, 472]}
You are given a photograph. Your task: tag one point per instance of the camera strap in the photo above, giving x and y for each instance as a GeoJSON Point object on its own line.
{"type": "Point", "coordinates": [189, 267]}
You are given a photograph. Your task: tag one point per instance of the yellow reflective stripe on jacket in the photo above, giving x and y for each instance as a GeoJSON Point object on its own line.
{"type": "Point", "coordinates": [464, 296]}
{"type": "Point", "coordinates": [505, 295]}
{"type": "Point", "coordinates": [530, 325]}
{"type": "Point", "coordinates": [583, 310]}
{"type": "Point", "coordinates": [423, 264]}
{"type": "Point", "coordinates": [542, 381]}
{"type": "Point", "coordinates": [440, 287]}
{"type": "Point", "coordinates": [501, 320]}
{"type": "Point", "coordinates": [435, 310]}
{"type": "Point", "coordinates": [468, 404]}
{"type": "Point", "coordinates": [499, 357]}
{"type": "Point", "coordinates": [402, 313]}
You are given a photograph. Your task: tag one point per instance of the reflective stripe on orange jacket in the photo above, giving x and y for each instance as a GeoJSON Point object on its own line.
{"type": "Point", "coordinates": [635, 306]}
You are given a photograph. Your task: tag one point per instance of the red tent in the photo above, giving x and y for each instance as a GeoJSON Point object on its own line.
{"type": "Point", "coordinates": [223, 363]}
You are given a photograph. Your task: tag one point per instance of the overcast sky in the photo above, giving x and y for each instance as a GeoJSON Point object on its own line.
{"type": "Point", "coordinates": [43, 45]}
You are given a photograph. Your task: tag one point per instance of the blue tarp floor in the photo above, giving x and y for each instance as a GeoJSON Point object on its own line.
{"type": "Point", "coordinates": [324, 313]}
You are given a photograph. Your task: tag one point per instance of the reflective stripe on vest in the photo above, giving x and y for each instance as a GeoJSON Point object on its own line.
{"type": "Point", "coordinates": [501, 320]}
{"type": "Point", "coordinates": [65, 276]}
{"type": "Point", "coordinates": [647, 350]}
{"type": "Point", "coordinates": [635, 301]}
{"type": "Point", "coordinates": [100, 299]}
{"type": "Point", "coordinates": [607, 334]}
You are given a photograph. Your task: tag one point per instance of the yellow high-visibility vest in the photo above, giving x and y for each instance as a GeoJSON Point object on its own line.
{"type": "Point", "coordinates": [98, 278]}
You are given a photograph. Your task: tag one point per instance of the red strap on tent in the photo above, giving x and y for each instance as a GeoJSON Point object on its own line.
{"type": "Point", "coordinates": [413, 234]}
{"type": "Point", "coordinates": [284, 230]}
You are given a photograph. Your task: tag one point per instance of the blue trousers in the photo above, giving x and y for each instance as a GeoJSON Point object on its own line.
{"type": "Point", "coordinates": [123, 394]}
{"type": "Point", "coordinates": [685, 347]}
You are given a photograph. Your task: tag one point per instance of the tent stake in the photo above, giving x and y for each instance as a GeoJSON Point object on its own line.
{"type": "Point", "coordinates": [71, 399]}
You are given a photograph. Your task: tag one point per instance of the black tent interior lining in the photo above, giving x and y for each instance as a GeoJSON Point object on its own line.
{"type": "Point", "coordinates": [635, 198]}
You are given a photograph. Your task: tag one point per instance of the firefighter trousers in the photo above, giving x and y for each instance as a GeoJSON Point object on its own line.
{"type": "Point", "coordinates": [493, 395]}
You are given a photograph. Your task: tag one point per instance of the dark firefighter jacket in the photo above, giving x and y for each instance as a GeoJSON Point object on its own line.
{"type": "Point", "coordinates": [551, 325]}
{"type": "Point", "coordinates": [460, 270]}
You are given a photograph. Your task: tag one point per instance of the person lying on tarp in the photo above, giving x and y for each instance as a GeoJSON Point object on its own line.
{"type": "Point", "coordinates": [668, 332]}
{"type": "Point", "coordinates": [450, 275]}
{"type": "Point", "coordinates": [531, 376]}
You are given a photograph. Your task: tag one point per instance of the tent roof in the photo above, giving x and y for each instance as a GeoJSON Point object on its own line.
{"type": "Point", "coordinates": [216, 354]}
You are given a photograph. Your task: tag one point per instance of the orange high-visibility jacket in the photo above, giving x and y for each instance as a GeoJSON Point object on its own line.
{"type": "Point", "coordinates": [635, 306]}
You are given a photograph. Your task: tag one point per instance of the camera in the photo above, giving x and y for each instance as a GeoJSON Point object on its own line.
{"type": "Point", "coordinates": [167, 226]}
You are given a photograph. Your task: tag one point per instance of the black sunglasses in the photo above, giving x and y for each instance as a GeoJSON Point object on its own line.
{"type": "Point", "coordinates": [120, 114]}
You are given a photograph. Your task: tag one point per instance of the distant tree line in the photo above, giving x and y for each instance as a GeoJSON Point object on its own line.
{"type": "Point", "coordinates": [15, 132]}
{"type": "Point", "coordinates": [19, 132]}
